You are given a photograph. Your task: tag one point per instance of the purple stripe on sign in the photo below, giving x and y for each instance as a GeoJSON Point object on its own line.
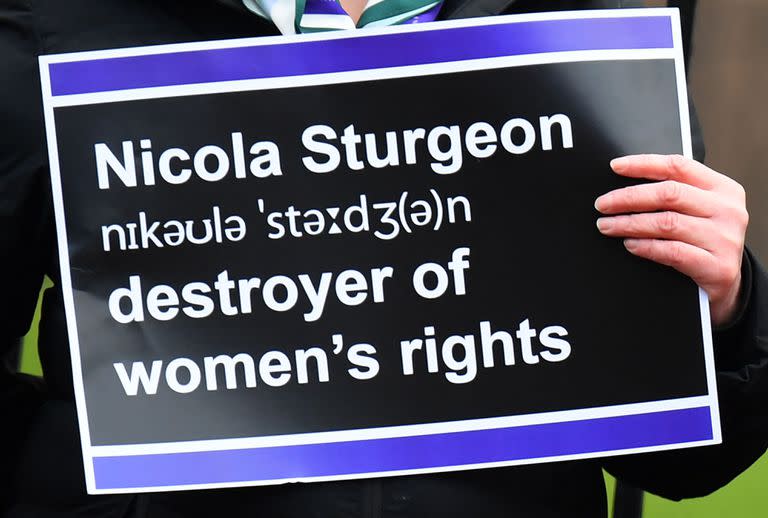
{"type": "Point", "coordinates": [359, 53]}
{"type": "Point", "coordinates": [404, 453]}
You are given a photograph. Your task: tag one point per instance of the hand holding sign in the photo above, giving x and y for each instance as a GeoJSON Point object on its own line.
{"type": "Point", "coordinates": [693, 219]}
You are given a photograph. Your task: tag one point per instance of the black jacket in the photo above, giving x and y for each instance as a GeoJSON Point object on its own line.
{"type": "Point", "coordinates": [39, 452]}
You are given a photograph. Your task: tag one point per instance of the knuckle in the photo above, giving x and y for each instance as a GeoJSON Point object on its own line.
{"type": "Point", "coordinates": [741, 193]}
{"type": "Point", "coordinates": [739, 216]}
{"type": "Point", "coordinates": [742, 217]}
{"type": "Point", "coordinates": [670, 193]}
{"type": "Point", "coordinates": [734, 188]}
{"type": "Point", "coordinates": [675, 254]}
{"type": "Point", "coordinates": [668, 222]}
{"type": "Point", "coordinates": [676, 164]}
{"type": "Point", "coordinates": [629, 225]}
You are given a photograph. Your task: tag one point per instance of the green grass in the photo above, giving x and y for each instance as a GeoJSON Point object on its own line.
{"type": "Point", "coordinates": [30, 360]}
{"type": "Point", "coordinates": [745, 497]}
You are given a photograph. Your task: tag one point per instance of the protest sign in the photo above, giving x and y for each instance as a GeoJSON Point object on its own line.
{"type": "Point", "coordinates": [370, 252]}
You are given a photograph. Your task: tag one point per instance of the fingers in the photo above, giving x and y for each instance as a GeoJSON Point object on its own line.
{"type": "Point", "coordinates": [688, 259]}
{"type": "Point", "coordinates": [660, 225]}
{"type": "Point", "coordinates": [666, 195]}
{"type": "Point", "coordinates": [667, 167]}
{"type": "Point", "coordinates": [692, 218]}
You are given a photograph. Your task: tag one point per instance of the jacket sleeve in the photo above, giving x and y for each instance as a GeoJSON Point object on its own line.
{"type": "Point", "coordinates": [741, 358]}
{"type": "Point", "coordinates": [24, 220]}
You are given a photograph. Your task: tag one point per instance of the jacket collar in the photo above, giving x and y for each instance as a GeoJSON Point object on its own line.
{"type": "Point", "coordinates": [453, 9]}
{"type": "Point", "coordinates": [472, 8]}
{"type": "Point", "coordinates": [234, 4]}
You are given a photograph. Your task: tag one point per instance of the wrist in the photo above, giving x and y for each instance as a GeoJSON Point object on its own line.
{"type": "Point", "coordinates": [724, 310]}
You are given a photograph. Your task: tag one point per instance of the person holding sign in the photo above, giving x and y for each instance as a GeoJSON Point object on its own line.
{"type": "Point", "coordinates": [689, 217]}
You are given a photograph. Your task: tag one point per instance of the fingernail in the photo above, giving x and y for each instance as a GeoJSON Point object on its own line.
{"type": "Point", "coordinates": [631, 244]}
{"type": "Point", "coordinates": [599, 203]}
{"type": "Point", "coordinates": [604, 224]}
{"type": "Point", "coordinates": [619, 164]}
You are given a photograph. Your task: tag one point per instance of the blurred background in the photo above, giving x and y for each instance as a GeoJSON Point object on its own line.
{"type": "Point", "coordinates": [728, 79]}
